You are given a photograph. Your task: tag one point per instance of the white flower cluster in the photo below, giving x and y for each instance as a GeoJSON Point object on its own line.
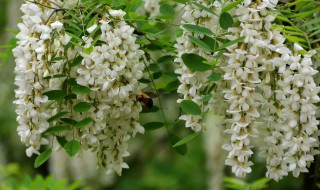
{"type": "Point", "coordinates": [194, 82]}
{"type": "Point", "coordinates": [32, 65]}
{"type": "Point", "coordinates": [270, 81]}
{"type": "Point", "coordinates": [111, 70]}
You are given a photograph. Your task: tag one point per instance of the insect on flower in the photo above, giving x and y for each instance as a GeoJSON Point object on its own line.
{"type": "Point", "coordinates": [145, 99]}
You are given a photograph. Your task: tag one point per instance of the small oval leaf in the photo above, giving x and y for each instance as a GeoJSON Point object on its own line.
{"type": "Point", "coordinates": [153, 125]}
{"type": "Point", "coordinates": [42, 158]}
{"type": "Point", "coordinates": [195, 62]}
{"type": "Point", "coordinates": [215, 77]}
{"type": "Point", "coordinates": [231, 43]}
{"type": "Point", "coordinates": [69, 121]}
{"type": "Point", "coordinates": [78, 89]}
{"type": "Point", "coordinates": [225, 20]}
{"type": "Point", "coordinates": [57, 116]}
{"type": "Point", "coordinates": [56, 129]}
{"type": "Point", "coordinates": [197, 29]}
{"type": "Point", "coordinates": [180, 149]}
{"type": "Point", "coordinates": [83, 122]}
{"type": "Point", "coordinates": [190, 107]}
{"type": "Point", "coordinates": [167, 10]}
{"type": "Point", "coordinates": [61, 140]}
{"type": "Point", "coordinates": [199, 43]}
{"type": "Point", "coordinates": [55, 94]}
{"type": "Point", "coordinates": [82, 107]}
{"type": "Point", "coordinates": [149, 110]}
{"type": "Point", "coordinates": [72, 147]}
{"type": "Point", "coordinates": [186, 139]}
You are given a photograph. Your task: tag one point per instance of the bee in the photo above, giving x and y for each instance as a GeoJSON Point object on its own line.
{"type": "Point", "coordinates": [145, 99]}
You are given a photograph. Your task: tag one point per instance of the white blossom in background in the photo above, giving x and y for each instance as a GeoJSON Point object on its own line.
{"type": "Point", "coordinates": [194, 82]}
{"type": "Point", "coordinates": [112, 71]}
{"type": "Point", "coordinates": [151, 7]}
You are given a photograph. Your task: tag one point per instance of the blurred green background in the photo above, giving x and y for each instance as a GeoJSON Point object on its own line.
{"type": "Point", "coordinates": [153, 163]}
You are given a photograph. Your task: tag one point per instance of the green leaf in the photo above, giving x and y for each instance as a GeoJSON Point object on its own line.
{"type": "Point", "coordinates": [197, 29]}
{"type": "Point", "coordinates": [88, 50]}
{"type": "Point", "coordinates": [72, 24]}
{"type": "Point", "coordinates": [234, 183]}
{"type": "Point", "coordinates": [150, 110]}
{"type": "Point", "coordinates": [190, 107]}
{"type": "Point", "coordinates": [195, 62]}
{"type": "Point", "coordinates": [42, 158]}
{"type": "Point", "coordinates": [212, 43]}
{"type": "Point", "coordinates": [231, 43]}
{"type": "Point", "coordinates": [165, 59]}
{"type": "Point", "coordinates": [199, 43]}
{"type": "Point", "coordinates": [84, 122]}
{"type": "Point", "coordinates": [215, 77]}
{"type": "Point", "coordinates": [206, 98]}
{"type": "Point", "coordinates": [153, 125]}
{"type": "Point", "coordinates": [156, 75]}
{"type": "Point", "coordinates": [167, 10]}
{"type": "Point", "coordinates": [180, 149]}
{"type": "Point", "coordinates": [260, 184]}
{"type": "Point", "coordinates": [78, 89]}
{"type": "Point", "coordinates": [72, 147]}
{"type": "Point", "coordinates": [82, 107]}
{"type": "Point", "coordinates": [204, 8]}
{"type": "Point", "coordinates": [69, 121]}
{"type": "Point", "coordinates": [187, 139]}
{"type": "Point", "coordinates": [57, 116]}
{"type": "Point", "coordinates": [211, 63]}
{"type": "Point", "coordinates": [225, 20]}
{"type": "Point", "coordinates": [154, 67]}
{"type": "Point", "coordinates": [55, 76]}
{"type": "Point", "coordinates": [172, 86]}
{"type": "Point", "coordinates": [231, 5]}
{"type": "Point", "coordinates": [56, 129]}
{"type": "Point", "coordinates": [55, 94]}
{"type": "Point", "coordinates": [70, 97]}
{"type": "Point", "coordinates": [61, 140]}
{"type": "Point", "coordinates": [76, 61]}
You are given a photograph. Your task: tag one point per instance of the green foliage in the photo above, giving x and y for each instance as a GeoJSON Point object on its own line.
{"type": "Point", "coordinates": [42, 158]}
{"type": "Point", "coordinates": [72, 147]}
{"type": "Point", "coordinates": [238, 184]}
{"type": "Point", "coordinates": [195, 62]}
{"type": "Point", "coordinates": [153, 125]}
{"type": "Point", "coordinates": [84, 122]}
{"type": "Point", "coordinates": [82, 107]}
{"type": "Point", "coordinates": [225, 20]}
{"type": "Point", "coordinates": [190, 107]}
{"type": "Point", "coordinates": [186, 139]}
{"type": "Point", "coordinates": [197, 29]}
{"type": "Point", "coordinates": [12, 178]}
{"type": "Point", "coordinates": [299, 22]}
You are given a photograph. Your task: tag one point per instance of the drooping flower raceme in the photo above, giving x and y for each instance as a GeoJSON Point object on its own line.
{"type": "Point", "coordinates": [192, 82]}
{"type": "Point", "coordinates": [83, 92]}
{"type": "Point", "coordinates": [270, 81]}
{"type": "Point", "coordinates": [112, 71]}
{"type": "Point", "coordinates": [32, 65]}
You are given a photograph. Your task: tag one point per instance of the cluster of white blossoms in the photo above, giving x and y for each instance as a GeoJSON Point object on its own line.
{"type": "Point", "coordinates": [193, 83]}
{"type": "Point", "coordinates": [111, 71]}
{"type": "Point", "coordinates": [272, 94]}
{"type": "Point", "coordinates": [32, 65]}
